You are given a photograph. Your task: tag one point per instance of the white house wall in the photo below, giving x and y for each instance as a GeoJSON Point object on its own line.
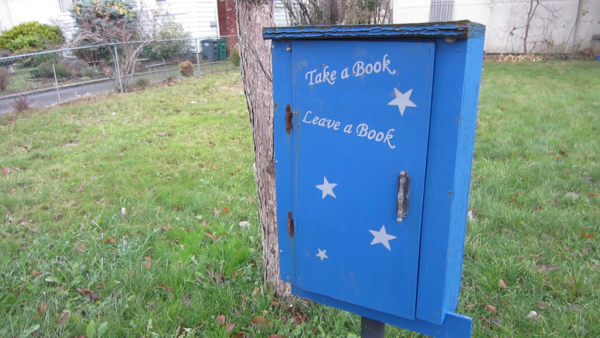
{"type": "Point", "coordinates": [411, 11]}
{"type": "Point", "coordinates": [15, 12]}
{"type": "Point", "coordinates": [474, 10]}
{"type": "Point", "coordinates": [559, 26]}
{"type": "Point", "coordinates": [551, 29]}
{"type": "Point", "coordinates": [280, 14]}
{"type": "Point", "coordinates": [198, 17]}
{"type": "Point", "coordinates": [588, 25]}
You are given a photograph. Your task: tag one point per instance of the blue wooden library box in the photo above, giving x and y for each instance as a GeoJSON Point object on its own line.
{"type": "Point", "coordinates": [374, 129]}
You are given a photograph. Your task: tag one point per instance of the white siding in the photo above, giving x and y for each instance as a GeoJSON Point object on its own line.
{"type": "Point", "coordinates": [198, 17]}
{"type": "Point", "coordinates": [280, 14]}
{"type": "Point", "coordinates": [563, 28]}
{"type": "Point", "coordinates": [15, 12]}
{"type": "Point", "coordinates": [411, 11]}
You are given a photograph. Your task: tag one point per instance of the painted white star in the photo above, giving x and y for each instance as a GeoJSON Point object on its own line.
{"type": "Point", "coordinates": [402, 101]}
{"type": "Point", "coordinates": [322, 254]}
{"type": "Point", "coordinates": [382, 237]}
{"type": "Point", "coordinates": [326, 188]}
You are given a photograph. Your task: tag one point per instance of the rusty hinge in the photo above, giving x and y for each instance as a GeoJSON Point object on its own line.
{"type": "Point", "coordinates": [289, 119]}
{"type": "Point", "coordinates": [290, 225]}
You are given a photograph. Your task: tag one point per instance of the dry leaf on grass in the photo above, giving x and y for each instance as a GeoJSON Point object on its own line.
{"type": "Point", "coordinates": [111, 240]}
{"type": "Point", "coordinates": [502, 284]}
{"type": "Point", "coordinates": [258, 321]}
{"type": "Point", "coordinates": [147, 262]}
{"type": "Point", "coordinates": [229, 327]}
{"type": "Point", "coordinates": [491, 309]}
{"type": "Point", "coordinates": [544, 268]}
{"type": "Point", "coordinates": [63, 319]}
{"type": "Point", "coordinates": [212, 236]}
{"type": "Point", "coordinates": [220, 319]}
{"type": "Point", "coordinates": [91, 295]}
{"type": "Point", "coordinates": [571, 195]}
{"type": "Point", "coordinates": [168, 289]}
{"type": "Point", "coordinates": [532, 315]}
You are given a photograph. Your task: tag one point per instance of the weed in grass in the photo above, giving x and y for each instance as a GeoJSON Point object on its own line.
{"type": "Point", "coordinates": [71, 263]}
{"type": "Point", "coordinates": [141, 83]}
{"type": "Point", "coordinates": [20, 104]}
{"type": "Point", "coordinates": [186, 68]}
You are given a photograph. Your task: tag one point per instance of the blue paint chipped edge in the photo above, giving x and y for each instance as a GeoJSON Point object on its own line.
{"type": "Point", "coordinates": [453, 29]}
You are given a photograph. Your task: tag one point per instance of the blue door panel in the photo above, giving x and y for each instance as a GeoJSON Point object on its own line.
{"type": "Point", "coordinates": [363, 110]}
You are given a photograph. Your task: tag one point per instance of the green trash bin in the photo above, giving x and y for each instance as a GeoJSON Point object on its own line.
{"type": "Point", "coordinates": [222, 50]}
{"type": "Point", "coordinates": [210, 50]}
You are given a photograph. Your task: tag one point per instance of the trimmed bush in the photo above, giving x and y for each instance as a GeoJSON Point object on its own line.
{"type": "Point", "coordinates": [45, 71]}
{"type": "Point", "coordinates": [186, 68]}
{"type": "Point", "coordinates": [31, 35]}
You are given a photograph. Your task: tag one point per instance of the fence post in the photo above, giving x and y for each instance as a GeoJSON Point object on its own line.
{"type": "Point", "coordinates": [198, 56]}
{"type": "Point", "coordinates": [118, 69]}
{"type": "Point", "coordinates": [56, 82]}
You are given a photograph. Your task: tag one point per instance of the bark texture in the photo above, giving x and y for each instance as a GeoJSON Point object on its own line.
{"type": "Point", "coordinates": [255, 57]}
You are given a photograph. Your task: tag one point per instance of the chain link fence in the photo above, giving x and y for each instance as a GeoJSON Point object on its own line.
{"type": "Point", "coordinates": [50, 77]}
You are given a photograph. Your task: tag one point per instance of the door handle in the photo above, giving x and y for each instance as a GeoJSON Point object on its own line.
{"type": "Point", "coordinates": [403, 190]}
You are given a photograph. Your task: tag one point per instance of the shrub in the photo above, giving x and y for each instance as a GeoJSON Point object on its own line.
{"type": "Point", "coordinates": [90, 72]}
{"type": "Point", "coordinates": [168, 49]}
{"type": "Point", "coordinates": [36, 60]}
{"type": "Point", "coordinates": [75, 65]}
{"type": "Point", "coordinates": [235, 56]}
{"type": "Point", "coordinates": [45, 71]}
{"type": "Point", "coordinates": [4, 79]}
{"type": "Point", "coordinates": [141, 83]}
{"type": "Point", "coordinates": [26, 42]}
{"type": "Point", "coordinates": [92, 53]}
{"type": "Point", "coordinates": [186, 68]}
{"type": "Point", "coordinates": [31, 35]}
{"type": "Point", "coordinates": [20, 104]}
{"type": "Point", "coordinates": [5, 53]}
{"type": "Point", "coordinates": [105, 21]}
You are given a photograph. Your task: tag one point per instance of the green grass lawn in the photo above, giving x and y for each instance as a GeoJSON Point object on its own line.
{"type": "Point", "coordinates": [121, 215]}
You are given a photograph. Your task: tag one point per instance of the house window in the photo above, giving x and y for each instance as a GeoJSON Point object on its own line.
{"type": "Point", "coordinates": [65, 5]}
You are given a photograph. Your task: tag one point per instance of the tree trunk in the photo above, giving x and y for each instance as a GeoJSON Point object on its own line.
{"type": "Point", "coordinates": [255, 57]}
